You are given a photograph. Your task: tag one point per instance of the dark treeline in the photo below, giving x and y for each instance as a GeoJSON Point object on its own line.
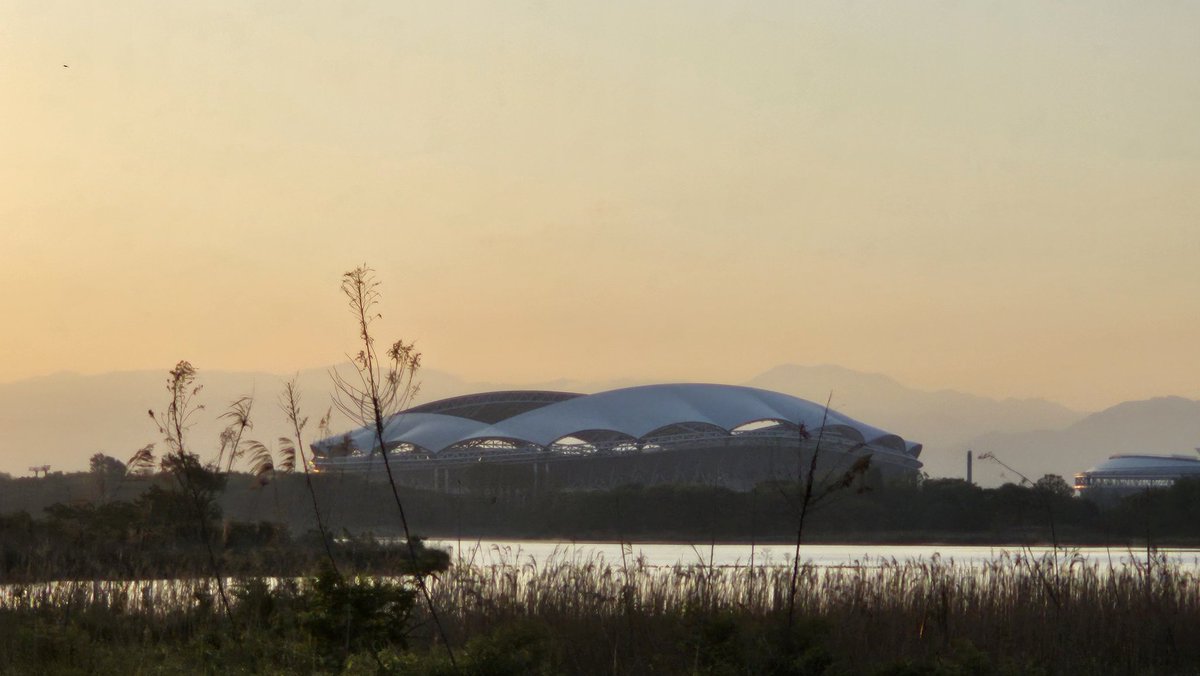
{"type": "Point", "coordinates": [133, 526]}
{"type": "Point", "coordinates": [930, 510]}
{"type": "Point", "coordinates": [148, 528]}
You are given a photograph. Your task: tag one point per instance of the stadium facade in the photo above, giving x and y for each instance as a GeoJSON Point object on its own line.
{"type": "Point", "coordinates": [1123, 475]}
{"type": "Point", "coordinates": [680, 433]}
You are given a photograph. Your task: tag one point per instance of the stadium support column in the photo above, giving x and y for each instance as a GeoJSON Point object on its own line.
{"type": "Point", "coordinates": [541, 473]}
{"type": "Point", "coordinates": [969, 481]}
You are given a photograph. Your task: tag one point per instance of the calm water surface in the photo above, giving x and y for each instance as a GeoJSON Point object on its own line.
{"type": "Point", "coordinates": [488, 552]}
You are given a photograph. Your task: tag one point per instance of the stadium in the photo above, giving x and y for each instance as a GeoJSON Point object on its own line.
{"type": "Point", "coordinates": [681, 433]}
{"type": "Point", "coordinates": [1123, 475]}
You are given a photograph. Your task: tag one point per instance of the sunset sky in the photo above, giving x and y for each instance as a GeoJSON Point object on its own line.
{"type": "Point", "coordinates": [996, 197]}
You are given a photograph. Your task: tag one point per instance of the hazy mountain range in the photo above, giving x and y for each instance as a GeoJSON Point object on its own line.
{"type": "Point", "coordinates": [62, 419]}
{"type": "Point", "coordinates": [1157, 426]}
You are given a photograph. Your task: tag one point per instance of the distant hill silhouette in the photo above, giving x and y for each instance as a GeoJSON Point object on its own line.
{"type": "Point", "coordinates": [1162, 425]}
{"type": "Point", "coordinates": [941, 420]}
{"type": "Point", "coordinates": [62, 419]}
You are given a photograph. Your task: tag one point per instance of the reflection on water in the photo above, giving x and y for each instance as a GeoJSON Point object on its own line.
{"type": "Point", "coordinates": [490, 552]}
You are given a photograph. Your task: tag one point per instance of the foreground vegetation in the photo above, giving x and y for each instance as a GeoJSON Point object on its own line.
{"type": "Point", "coordinates": [127, 581]}
{"type": "Point", "coordinates": [1017, 615]}
{"type": "Point", "coordinates": [157, 536]}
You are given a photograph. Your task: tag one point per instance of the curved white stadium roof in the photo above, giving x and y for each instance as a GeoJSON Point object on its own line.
{"type": "Point", "coordinates": [544, 418]}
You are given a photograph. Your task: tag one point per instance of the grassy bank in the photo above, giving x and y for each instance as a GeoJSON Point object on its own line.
{"type": "Point", "coordinates": [1016, 615]}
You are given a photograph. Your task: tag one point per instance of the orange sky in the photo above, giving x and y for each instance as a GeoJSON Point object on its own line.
{"type": "Point", "coordinates": [1001, 198]}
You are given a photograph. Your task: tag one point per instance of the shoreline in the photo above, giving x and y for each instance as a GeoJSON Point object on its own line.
{"type": "Point", "coordinates": [893, 539]}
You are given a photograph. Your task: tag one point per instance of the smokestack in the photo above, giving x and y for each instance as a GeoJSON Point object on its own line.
{"type": "Point", "coordinates": [969, 480]}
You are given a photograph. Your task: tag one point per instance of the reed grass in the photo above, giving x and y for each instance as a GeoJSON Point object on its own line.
{"type": "Point", "coordinates": [575, 614]}
{"type": "Point", "coordinates": [1057, 611]}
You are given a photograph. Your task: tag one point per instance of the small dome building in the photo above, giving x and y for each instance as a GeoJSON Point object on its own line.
{"type": "Point", "coordinates": [1122, 475]}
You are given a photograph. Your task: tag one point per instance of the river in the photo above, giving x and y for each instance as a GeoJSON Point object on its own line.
{"type": "Point", "coordinates": [489, 552]}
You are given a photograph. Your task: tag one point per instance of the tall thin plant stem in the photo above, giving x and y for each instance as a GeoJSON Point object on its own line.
{"type": "Point", "coordinates": [380, 391]}
{"type": "Point", "coordinates": [1049, 506]}
{"type": "Point", "coordinates": [185, 466]}
{"type": "Point", "coordinates": [805, 502]}
{"type": "Point", "coordinates": [289, 401]}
